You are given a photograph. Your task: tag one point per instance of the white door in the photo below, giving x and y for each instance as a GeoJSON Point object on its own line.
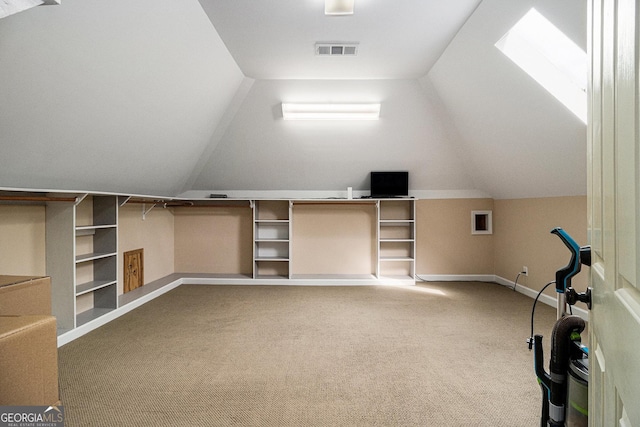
{"type": "Point", "coordinates": [614, 213]}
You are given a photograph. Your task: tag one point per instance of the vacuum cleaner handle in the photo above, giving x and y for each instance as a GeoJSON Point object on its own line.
{"type": "Point", "coordinates": [564, 275]}
{"type": "Point", "coordinates": [544, 379]}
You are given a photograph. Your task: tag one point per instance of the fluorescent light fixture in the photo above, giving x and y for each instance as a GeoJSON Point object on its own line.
{"type": "Point", "coordinates": [330, 111]}
{"type": "Point", "coordinates": [551, 58]}
{"type": "Point", "coordinates": [338, 7]}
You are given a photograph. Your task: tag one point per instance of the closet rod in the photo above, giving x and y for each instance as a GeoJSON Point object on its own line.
{"type": "Point", "coordinates": [186, 204]}
{"type": "Point", "coordinates": [37, 199]}
{"type": "Point", "coordinates": [206, 206]}
{"type": "Point", "coordinates": [335, 203]}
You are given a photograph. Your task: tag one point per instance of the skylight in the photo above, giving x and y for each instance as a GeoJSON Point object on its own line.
{"type": "Point", "coordinates": [551, 58]}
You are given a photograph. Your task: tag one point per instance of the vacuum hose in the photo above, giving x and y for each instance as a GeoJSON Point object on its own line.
{"type": "Point", "coordinates": [555, 382]}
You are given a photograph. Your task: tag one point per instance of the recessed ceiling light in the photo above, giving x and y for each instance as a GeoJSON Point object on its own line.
{"type": "Point", "coordinates": [338, 7]}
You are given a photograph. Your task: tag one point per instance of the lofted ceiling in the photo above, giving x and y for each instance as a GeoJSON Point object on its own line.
{"type": "Point", "coordinates": [164, 98]}
{"type": "Point", "coordinates": [396, 39]}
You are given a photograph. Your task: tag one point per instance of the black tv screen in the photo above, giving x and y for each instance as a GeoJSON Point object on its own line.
{"type": "Point", "coordinates": [389, 184]}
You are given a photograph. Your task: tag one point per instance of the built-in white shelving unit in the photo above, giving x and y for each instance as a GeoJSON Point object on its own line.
{"type": "Point", "coordinates": [82, 258]}
{"type": "Point", "coordinates": [396, 239]}
{"type": "Point", "coordinates": [81, 232]}
{"type": "Point", "coordinates": [272, 239]}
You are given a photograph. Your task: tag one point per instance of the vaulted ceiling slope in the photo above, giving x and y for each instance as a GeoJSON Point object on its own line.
{"type": "Point", "coordinates": [474, 122]}
{"type": "Point", "coordinates": [395, 39]}
{"type": "Point", "coordinates": [149, 97]}
{"type": "Point", "coordinates": [116, 96]}
{"type": "Point", "coordinates": [521, 140]}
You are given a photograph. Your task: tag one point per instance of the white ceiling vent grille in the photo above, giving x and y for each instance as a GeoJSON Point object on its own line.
{"type": "Point", "coordinates": [336, 49]}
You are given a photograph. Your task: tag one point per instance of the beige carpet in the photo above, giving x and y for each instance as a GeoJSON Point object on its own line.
{"type": "Point", "coordinates": [437, 354]}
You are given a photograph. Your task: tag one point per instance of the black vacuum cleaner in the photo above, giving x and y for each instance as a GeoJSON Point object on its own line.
{"type": "Point", "coordinates": [565, 386]}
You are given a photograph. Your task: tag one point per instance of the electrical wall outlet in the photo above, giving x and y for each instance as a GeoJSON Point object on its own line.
{"type": "Point", "coordinates": [525, 270]}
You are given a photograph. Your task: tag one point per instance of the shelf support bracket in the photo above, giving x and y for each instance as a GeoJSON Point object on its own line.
{"type": "Point", "coordinates": [146, 211]}
{"type": "Point", "coordinates": [79, 199]}
{"type": "Point", "coordinates": [123, 200]}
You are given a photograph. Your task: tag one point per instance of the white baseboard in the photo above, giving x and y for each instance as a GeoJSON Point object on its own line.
{"type": "Point", "coordinates": [67, 337]}
{"type": "Point", "coordinates": [544, 298]}
{"type": "Point", "coordinates": [456, 277]}
{"type": "Point", "coordinates": [286, 282]}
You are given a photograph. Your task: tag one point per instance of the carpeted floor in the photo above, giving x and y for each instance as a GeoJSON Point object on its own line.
{"type": "Point", "coordinates": [437, 354]}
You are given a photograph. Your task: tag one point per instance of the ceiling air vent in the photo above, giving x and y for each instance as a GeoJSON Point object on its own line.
{"type": "Point", "coordinates": [336, 49]}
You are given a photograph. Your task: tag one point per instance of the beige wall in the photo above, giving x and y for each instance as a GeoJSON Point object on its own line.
{"type": "Point", "coordinates": [334, 239]}
{"type": "Point", "coordinates": [327, 239]}
{"type": "Point", "coordinates": [214, 240]}
{"type": "Point", "coordinates": [444, 242]}
{"type": "Point", "coordinates": [522, 238]}
{"type": "Point", "coordinates": [22, 240]}
{"type": "Point", "coordinates": [155, 234]}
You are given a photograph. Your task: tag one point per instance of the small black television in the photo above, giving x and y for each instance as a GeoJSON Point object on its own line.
{"type": "Point", "coordinates": [389, 184]}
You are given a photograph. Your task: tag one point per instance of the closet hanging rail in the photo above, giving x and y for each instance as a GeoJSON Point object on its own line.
{"type": "Point", "coordinates": [331, 202]}
{"type": "Point", "coordinates": [185, 204]}
{"type": "Point", "coordinates": [36, 199]}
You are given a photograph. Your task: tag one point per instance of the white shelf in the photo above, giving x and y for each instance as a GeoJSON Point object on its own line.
{"type": "Point", "coordinates": [272, 276]}
{"type": "Point", "coordinates": [95, 227]}
{"type": "Point", "coordinates": [93, 256]}
{"type": "Point", "coordinates": [90, 230]}
{"type": "Point", "coordinates": [396, 222]}
{"type": "Point", "coordinates": [93, 286]}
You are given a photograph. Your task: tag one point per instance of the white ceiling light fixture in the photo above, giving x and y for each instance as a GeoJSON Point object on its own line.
{"type": "Point", "coordinates": [292, 111]}
{"type": "Point", "coordinates": [338, 7]}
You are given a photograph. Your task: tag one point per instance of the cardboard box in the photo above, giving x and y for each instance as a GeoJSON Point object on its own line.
{"type": "Point", "coordinates": [28, 361]}
{"type": "Point", "coordinates": [25, 295]}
